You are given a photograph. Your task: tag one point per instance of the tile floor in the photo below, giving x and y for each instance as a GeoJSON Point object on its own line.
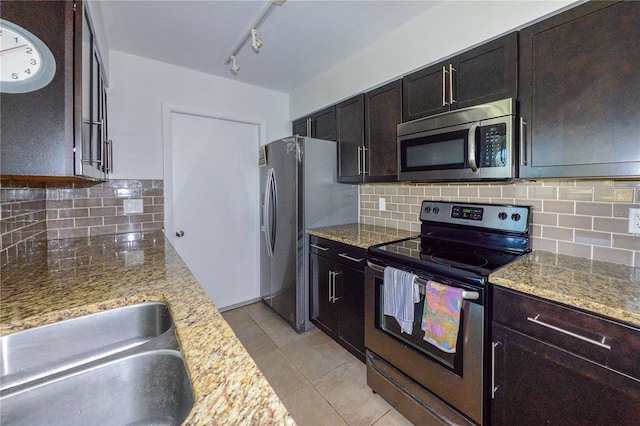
{"type": "Point", "coordinates": [319, 382]}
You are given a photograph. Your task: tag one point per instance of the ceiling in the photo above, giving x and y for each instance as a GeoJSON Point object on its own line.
{"type": "Point", "coordinates": [302, 38]}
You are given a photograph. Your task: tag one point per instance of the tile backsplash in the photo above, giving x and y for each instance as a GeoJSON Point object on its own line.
{"type": "Point", "coordinates": [579, 218]}
{"type": "Point", "coordinates": [33, 213]}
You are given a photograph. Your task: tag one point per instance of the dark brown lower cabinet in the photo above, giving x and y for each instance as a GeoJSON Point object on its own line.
{"type": "Point", "coordinates": [538, 380]}
{"type": "Point", "coordinates": [336, 293]}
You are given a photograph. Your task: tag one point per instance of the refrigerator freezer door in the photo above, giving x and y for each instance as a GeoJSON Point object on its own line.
{"type": "Point", "coordinates": [282, 296]}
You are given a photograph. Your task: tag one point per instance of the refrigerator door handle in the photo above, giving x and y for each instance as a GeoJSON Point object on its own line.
{"type": "Point", "coordinates": [267, 217]}
{"type": "Point", "coordinates": [274, 203]}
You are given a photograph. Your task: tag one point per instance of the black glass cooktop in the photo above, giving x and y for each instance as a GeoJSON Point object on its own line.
{"type": "Point", "coordinates": [425, 252]}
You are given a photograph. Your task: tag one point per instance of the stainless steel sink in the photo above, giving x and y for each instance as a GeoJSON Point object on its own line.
{"type": "Point", "coordinates": [117, 367]}
{"type": "Point", "coordinates": [41, 351]}
{"type": "Point", "coordinates": [142, 389]}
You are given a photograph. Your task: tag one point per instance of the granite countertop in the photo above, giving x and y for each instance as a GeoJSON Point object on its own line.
{"type": "Point", "coordinates": [361, 235]}
{"type": "Point", "coordinates": [606, 289]}
{"type": "Point", "coordinates": [75, 277]}
{"type": "Point", "coordinates": [603, 288]}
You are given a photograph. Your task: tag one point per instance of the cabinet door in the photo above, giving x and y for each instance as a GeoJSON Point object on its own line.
{"type": "Point", "coordinates": [423, 92]}
{"type": "Point", "coordinates": [34, 125]}
{"type": "Point", "coordinates": [323, 124]}
{"type": "Point", "coordinates": [579, 92]}
{"type": "Point", "coordinates": [300, 127]}
{"type": "Point", "coordinates": [351, 302]}
{"type": "Point", "coordinates": [324, 311]}
{"type": "Point", "coordinates": [487, 73]}
{"type": "Point", "coordinates": [350, 128]}
{"type": "Point", "coordinates": [383, 113]}
{"type": "Point", "coordinates": [540, 384]}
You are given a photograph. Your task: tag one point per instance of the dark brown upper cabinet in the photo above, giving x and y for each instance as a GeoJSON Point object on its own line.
{"type": "Point", "coordinates": [350, 132]}
{"type": "Point", "coordinates": [484, 74]}
{"type": "Point", "coordinates": [320, 125]}
{"type": "Point", "coordinates": [383, 113]}
{"type": "Point", "coordinates": [42, 130]}
{"type": "Point", "coordinates": [579, 86]}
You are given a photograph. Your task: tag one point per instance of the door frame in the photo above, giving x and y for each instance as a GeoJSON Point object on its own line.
{"type": "Point", "coordinates": [167, 146]}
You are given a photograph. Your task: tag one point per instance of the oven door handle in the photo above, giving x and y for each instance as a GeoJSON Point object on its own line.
{"type": "Point", "coordinates": [466, 295]}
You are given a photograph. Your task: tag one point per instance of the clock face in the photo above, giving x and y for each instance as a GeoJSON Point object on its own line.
{"type": "Point", "coordinates": [26, 63]}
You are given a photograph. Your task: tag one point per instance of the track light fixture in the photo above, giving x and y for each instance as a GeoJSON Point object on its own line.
{"type": "Point", "coordinates": [256, 43]}
{"type": "Point", "coordinates": [252, 34]}
{"type": "Point", "coordinates": [234, 65]}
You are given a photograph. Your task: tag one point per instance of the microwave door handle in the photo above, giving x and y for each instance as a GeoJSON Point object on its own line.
{"type": "Point", "coordinates": [471, 147]}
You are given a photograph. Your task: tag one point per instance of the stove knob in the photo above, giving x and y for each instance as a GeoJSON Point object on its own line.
{"type": "Point", "coordinates": [436, 210]}
{"type": "Point", "coordinates": [515, 217]}
{"type": "Point", "coordinates": [502, 215]}
{"type": "Point", "coordinates": [427, 209]}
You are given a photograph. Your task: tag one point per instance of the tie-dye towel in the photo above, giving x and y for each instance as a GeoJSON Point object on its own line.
{"type": "Point", "coordinates": [441, 316]}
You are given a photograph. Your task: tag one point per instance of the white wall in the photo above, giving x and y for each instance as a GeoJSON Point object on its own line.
{"type": "Point", "coordinates": [458, 26]}
{"type": "Point", "coordinates": [139, 87]}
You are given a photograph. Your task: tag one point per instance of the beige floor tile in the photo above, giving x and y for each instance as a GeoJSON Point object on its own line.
{"type": "Point", "coordinates": [308, 407]}
{"type": "Point", "coordinates": [238, 319]}
{"type": "Point", "coordinates": [393, 418]}
{"type": "Point", "coordinates": [346, 390]}
{"type": "Point", "coordinates": [281, 332]}
{"type": "Point", "coordinates": [315, 355]}
{"type": "Point", "coordinates": [259, 311]}
{"type": "Point", "coordinates": [281, 374]}
{"type": "Point", "coordinates": [255, 341]}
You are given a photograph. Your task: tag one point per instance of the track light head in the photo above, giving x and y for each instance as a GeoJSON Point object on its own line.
{"type": "Point", "coordinates": [234, 65]}
{"type": "Point", "coordinates": [256, 43]}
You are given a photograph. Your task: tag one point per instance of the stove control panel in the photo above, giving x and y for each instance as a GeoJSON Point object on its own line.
{"type": "Point", "coordinates": [494, 216]}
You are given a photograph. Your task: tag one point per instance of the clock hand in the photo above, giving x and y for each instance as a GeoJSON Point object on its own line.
{"type": "Point", "coordinates": [12, 48]}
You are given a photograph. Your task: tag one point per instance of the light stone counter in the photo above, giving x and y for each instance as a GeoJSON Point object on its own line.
{"type": "Point", "coordinates": [361, 235]}
{"type": "Point", "coordinates": [606, 289]}
{"type": "Point", "coordinates": [70, 278]}
{"type": "Point", "coordinates": [603, 288]}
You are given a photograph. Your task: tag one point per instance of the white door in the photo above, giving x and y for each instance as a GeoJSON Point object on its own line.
{"type": "Point", "coordinates": [214, 203]}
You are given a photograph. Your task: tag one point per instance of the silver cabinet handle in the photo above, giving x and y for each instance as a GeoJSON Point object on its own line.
{"type": "Point", "coordinates": [444, 86]}
{"type": "Point", "coordinates": [180, 234]}
{"type": "Point", "coordinates": [569, 333]}
{"type": "Point", "coordinates": [523, 142]}
{"type": "Point", "coordinates": [364, 161]}
{"type": "Point", "coordinates": [359, 160]}
{"type": "Point", "coordinates": [471, 147]}
{"type": "Point", "coordinates": [451, 70]}
{"type": "Point", "coordinates": [346, 256]}
{"type": "Point", "coordinates": [330, 286]}
{"type": "Point", "coordinates": [319, 247]}
{"type": "Point", "coordinates": [494, 388]}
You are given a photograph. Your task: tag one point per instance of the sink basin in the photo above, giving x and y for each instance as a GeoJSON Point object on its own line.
{"type": "Point", "coordinates": [149, 388]}
{"type": "Point", "coordinates": [41, 351]}
{"type": "Point", "coordinates": [117, 367]}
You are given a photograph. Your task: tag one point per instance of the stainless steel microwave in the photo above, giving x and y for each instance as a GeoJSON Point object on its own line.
{"type": "Point", "coordinates": [470, 144]}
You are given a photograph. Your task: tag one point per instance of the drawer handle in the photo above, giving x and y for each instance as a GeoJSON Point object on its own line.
{"type": "Point", "coordinates": [319, 247]}
{"type": "Point", "coordinates": [569, 333]}
{"type": "Point", "coordinates": [346, 256]}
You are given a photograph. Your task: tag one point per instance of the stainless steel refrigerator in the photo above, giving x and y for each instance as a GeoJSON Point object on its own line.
{"type": "Point", "coordinates": [298, 191]}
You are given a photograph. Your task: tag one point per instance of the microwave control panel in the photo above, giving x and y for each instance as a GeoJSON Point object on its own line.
{"type": "Point", "coordinates": [493, 145]}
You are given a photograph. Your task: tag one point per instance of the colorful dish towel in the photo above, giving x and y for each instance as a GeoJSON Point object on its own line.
{"type": "Point", "coordinates": [441, 316]}
{"type": "Point", "coordinates": [400, 293]}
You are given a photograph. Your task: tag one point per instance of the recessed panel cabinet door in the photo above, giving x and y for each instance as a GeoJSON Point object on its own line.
{"type": "Point", "coordinates": [540, 384]}
{"type": "Point", "coordinates": [323, 310]}
{"type": "Point", "coordinates": [383, 113]}
{"type": "Point", "coordinates": [352, 309]}
{"type": "Point", "coordinates": [425, 92]}
{"type": "Point", "coordinates": [350, 129]}
{"type": "Point", "coordinates": [579, 93]}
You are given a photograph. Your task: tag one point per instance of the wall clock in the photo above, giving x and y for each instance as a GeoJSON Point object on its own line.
{"type": "Point", "coordinates": [26, 63]}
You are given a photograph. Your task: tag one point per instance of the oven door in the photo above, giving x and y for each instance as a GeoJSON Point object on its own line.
{"type": "Point", "coordinates": [471, 151]}
{"type": "Point", "coordinates": [456, 379]}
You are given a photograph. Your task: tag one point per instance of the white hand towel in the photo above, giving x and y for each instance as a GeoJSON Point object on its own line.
{"type": "Point", "coordinates": [400, 293]}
